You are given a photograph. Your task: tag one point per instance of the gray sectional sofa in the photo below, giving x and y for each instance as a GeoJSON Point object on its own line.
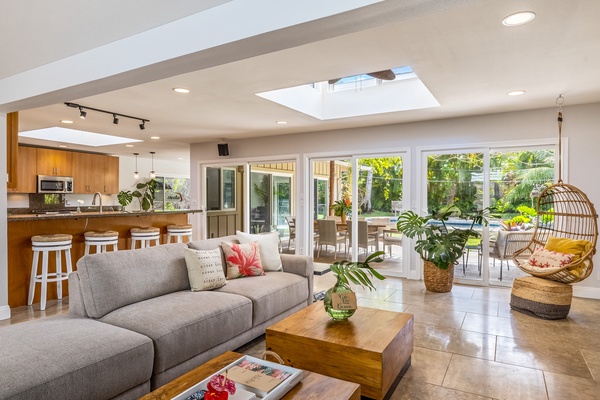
{"type": "Point", "coordinates": [134, 324]}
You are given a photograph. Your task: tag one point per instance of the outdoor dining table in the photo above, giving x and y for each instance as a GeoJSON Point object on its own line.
{"type": "Point", "coordinates": [380, 226]}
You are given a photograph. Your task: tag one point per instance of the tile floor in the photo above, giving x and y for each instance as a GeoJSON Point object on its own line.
{"type": "Point", "coordinates": [469, 344]}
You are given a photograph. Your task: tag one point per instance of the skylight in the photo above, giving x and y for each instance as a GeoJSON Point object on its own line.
{"type": "Point", "coordinates": [65, 135]}
{"type": "Point", "coordinates": [357, 95]}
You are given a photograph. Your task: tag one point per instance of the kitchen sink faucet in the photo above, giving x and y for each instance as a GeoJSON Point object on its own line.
{"type": "Point", "coordinates": [94, 200]}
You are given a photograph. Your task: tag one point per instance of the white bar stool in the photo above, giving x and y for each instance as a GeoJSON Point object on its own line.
{"type": "Point", "coordinates": [45, 244]}
{"type": "Point", "coordinates": [101, 240]}
{"type": "Point", "coordinates": [179, 232]}
{"type": "Point", "coordinates": [145, 236]}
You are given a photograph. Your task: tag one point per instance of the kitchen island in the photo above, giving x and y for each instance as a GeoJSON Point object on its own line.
{"type": "Point", "coordinates": [22, 227]}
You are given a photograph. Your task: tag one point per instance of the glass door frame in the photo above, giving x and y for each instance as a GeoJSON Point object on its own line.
{"type": "Point", "coordinates": [403, 153]}
{"type": "Point", "coordinates": [486, 149]}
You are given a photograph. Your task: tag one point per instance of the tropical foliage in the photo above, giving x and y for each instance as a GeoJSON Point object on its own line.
{"type": "Point", "coordinates": [145, 193]}
{"type": "Point", "coordinates": [435, 242]}
{"type": "Point", "coordinates": [342, 207]}
{"type": "Point", "coordinates": [359, 273]}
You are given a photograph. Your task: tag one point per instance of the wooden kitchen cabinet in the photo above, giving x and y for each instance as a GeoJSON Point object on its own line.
{"type": "Point", "coordinates": [26, 171]}
{"type": "Point", "coordinates": [111, 176]}
{"type": "Point", "coordinates": [54, 162]}
{"type": "Point", "coordinates": [95, 173]}
{"type": "Point", "coordinates": [88, 173]}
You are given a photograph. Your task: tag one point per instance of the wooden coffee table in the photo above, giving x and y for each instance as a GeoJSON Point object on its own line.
{"type": "Point", "coordinates": [373, 348]}
{"type": "Point", "coordinates": [313, 385]}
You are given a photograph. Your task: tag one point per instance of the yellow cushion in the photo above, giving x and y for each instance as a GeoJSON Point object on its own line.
{"type": "Point", "coordinates": [569, 246]}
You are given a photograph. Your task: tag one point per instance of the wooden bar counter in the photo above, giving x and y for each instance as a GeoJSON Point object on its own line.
{"type": "Point", "coordinates": [22, 227]}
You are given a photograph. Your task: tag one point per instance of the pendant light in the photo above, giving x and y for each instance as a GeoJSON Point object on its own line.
{"type": "Point", "coordinates": [136, 174]}
{"type": "Point", "coordinates": [152, 173]}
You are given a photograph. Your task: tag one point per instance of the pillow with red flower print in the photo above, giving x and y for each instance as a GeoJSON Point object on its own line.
{"type": "Point", "coordinates": [543, 258]}
{"type": "Point", "coordinates": [242, 259]}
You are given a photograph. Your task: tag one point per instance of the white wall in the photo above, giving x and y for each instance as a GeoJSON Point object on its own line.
{"type": "Point", "coordinates": [581, 125]}
{"type": "Point", "coordinates": [4, 309]}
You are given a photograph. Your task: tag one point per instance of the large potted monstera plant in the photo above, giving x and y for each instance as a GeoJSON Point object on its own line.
{"type": "Point", "coordinates": [439, 245]}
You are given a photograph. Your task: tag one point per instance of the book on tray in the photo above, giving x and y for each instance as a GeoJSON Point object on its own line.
{"type": "Point", "coordinates": [254, 379]}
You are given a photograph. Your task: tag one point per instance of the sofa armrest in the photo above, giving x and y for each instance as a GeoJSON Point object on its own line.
{"type": "Point", "coordinates": [76, 305]}
{"type": "Point", "coordinates": [300, 265]}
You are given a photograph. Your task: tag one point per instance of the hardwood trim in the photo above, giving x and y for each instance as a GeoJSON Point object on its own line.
{"type": "Point", "coordinates": [12, 150]}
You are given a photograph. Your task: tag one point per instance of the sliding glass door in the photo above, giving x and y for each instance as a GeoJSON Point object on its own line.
{"type": "Point", "coordinates": [508, 181]}
{"type": "Point", "coordinates": [356, 194]}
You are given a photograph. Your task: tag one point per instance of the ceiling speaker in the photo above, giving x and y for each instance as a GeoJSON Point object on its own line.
{"type": "Point", "coordinates": [223, 149]}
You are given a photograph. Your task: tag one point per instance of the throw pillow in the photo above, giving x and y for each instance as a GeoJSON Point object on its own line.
{"type": "Point", "coordinates": [269, 248]}
{"type": "Point", "coordinates": [242, 259]}
{"type": "Point", "coordinates": [205, 269]}
{"type": "Point", "coordinates": [544, 258]}
{"type": "Point", "coordinates": [569, 246]}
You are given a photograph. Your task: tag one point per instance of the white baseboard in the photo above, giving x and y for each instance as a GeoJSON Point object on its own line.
{"type": "Point", "coordinates": [586, 292]}
{"type": "Point", "coordinates": [4, 312]}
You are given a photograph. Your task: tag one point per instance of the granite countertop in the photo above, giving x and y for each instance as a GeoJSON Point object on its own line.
{"type": "Point", "coordinates": [94, 214]}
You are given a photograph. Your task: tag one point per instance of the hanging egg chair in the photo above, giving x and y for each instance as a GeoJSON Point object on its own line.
{"type": "Point", "coordinates": [564, 213]}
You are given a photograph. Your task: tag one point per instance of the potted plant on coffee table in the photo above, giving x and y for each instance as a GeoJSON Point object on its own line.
{"type": "Point", "coordinates": [439, 247]}
{"type": "Point", "coordinates": [346, 272]}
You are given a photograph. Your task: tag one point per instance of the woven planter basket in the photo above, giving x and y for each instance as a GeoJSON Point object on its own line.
{"type": "Point", "coordinates": [438, 280]}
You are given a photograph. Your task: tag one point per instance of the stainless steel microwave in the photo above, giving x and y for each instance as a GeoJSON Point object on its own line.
{"type": "Point", "coordinates": [54, 184]}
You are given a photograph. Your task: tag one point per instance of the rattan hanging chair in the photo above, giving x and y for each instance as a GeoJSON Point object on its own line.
{"type": "Point", "coordinates": [563, 211]}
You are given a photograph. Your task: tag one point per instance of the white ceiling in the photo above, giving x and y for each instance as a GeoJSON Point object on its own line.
{"type": "Point", "coordinates": [459, 49]}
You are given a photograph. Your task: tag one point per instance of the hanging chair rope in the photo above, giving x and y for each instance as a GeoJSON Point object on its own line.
{"type": "Point", "coordinates": [560, 101]}
{"type": "Point", "coordinates": [563, 211]}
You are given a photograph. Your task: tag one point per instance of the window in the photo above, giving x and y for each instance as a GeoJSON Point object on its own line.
{"type": "Point", "coordinates": [220, 189]}
{"type": "Point", "coordinates": [172, 193]}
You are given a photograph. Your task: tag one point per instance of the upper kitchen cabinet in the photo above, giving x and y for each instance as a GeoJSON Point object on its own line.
{"type": "Point", "coordinates": [26, 171]}
{"type": "Point", "coordinates": [95, 173]}
{"type": "Point", "coordinates": [54, 162]}
{"type": "Point", "coordinates": [111, 178]}
{"type": "Point", "coordinates": [88, 173]}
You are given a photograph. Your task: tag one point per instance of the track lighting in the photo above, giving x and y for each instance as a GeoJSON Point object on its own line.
{"type": "Point", "coordinates": [136, 174]}
{"type": "Point", "coordinates": [83, 114]}
{"type": "Point", "coordinates": [152, 173]}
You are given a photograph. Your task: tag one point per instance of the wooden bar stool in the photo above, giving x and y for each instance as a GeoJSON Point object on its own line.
{"type": "Point", "coordinates": [145, 236]}
{"type": "Point", "coordinates": [179, 231]}
{"type": "Point", "coordinates": [45, 244]}
{"type": "Point", "coordinates": [100, 240]}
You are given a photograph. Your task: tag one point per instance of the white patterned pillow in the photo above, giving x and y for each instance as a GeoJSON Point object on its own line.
{"type": "Point", "coordinates": [269, 248]}
{"type": "Point", "coordinates": [205, 269]}
{"type": "Point", "coordinates": [542, 258]}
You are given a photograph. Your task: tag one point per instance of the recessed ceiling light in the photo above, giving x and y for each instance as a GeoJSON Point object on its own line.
{"type": "Point", "coordinates": [516, 93]}
{"type": "Point", "coordinates": [128, 145]}
{"type": "Point", "coordinates": [66, 121]}
{"type": "Point", "coordinates": [281, 122]}
{"type": "Point", "coordinates": [181, 90]}
{"type": "Point", "coordinates": [62, 145]}
{"type": "Point", "coordinates": [519, 18]}
{"type": "Point", "coordinates": [180, 158]}
{"type": "Point", "coordinates": [155, 137]}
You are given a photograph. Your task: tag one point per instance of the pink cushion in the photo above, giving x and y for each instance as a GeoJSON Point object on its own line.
{"type": "Point", "coordinates": [242, 259]}
{"type": "Point", "coordinates": [543, 258]}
